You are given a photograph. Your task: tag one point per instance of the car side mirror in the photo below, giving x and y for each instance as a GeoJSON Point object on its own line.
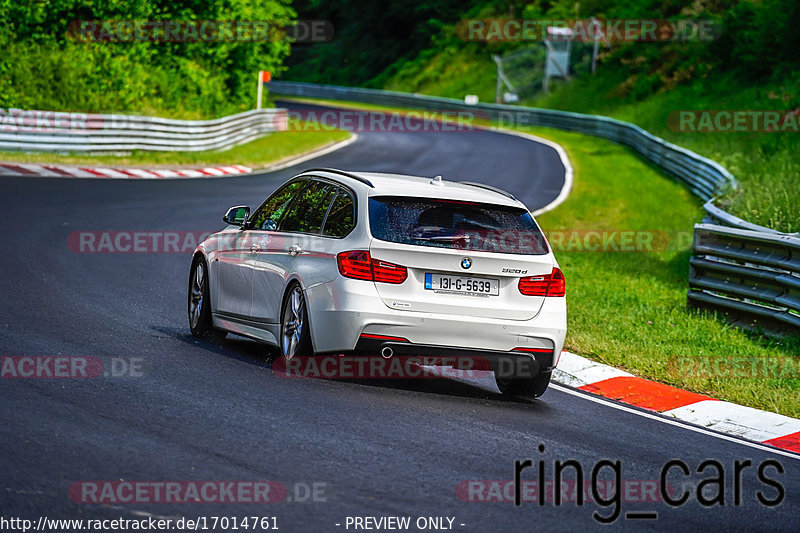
{"type": "Point", "coordinates": [237, 215]}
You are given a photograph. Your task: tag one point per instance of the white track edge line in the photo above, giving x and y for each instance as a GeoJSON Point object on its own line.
{"type": "Point", "coordinates": [676, 422]}
{"type": "Point", "coordinates": [562, 154]}
{"type": "Point", "coordinates": [308, 156]}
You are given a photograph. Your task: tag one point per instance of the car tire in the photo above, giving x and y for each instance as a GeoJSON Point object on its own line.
{"type": "Point", "coordinates": [199, 303]}
{"type": "Point", "coordinates": [295, 328]}
{"type": "Point", "coordinates": [527, 387]}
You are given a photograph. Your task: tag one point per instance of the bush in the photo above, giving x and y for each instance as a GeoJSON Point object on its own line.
{"type": "Point", "coordinates": [43, 67]}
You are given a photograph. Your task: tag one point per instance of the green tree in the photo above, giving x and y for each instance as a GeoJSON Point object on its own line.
{"type": "Point", "coordinates": [43, 67]}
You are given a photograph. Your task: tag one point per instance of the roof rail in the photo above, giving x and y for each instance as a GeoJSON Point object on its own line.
{"type": "Point", "coordinates": [490, 188]}
{"type": "Point", "coordinates": [356, 177]}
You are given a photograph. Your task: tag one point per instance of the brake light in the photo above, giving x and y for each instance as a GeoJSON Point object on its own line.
{"type": "Point", "coordinates": [558, 285]}
{"type": "Point", "coordinates": [355, 265]}
{"type": "Point", "coordinates": [459, 202]}
{"type": "Point", "coordinates": [388, 272]}
{"type": "Point", "coordinates": [552, 284]}
{"type": "Point", "coordinates": [358, 264]}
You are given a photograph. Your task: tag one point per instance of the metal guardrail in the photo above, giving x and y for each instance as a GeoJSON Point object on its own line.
{"type": "Point", "coordinates": [703, 176]}
{"type": "Point", "coordinates": [753, 272]}
{"type": "Point", "coordinates": [737, 266]}
{"type": "Point", "coordinates": [49, 131]}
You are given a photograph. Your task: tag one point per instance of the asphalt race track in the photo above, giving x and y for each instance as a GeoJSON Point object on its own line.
{"type": "Point", "coordinates": [198, 411]}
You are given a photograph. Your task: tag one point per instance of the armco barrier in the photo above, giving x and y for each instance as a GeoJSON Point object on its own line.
{"type": "Point", "coordinates": [703, 176]}
{"type": "Point", "coordinates": [47, 131]}
{"type": "Point", "coordinates": [746, 271]}
{"type": "Point", "coordinates": [737, 267]}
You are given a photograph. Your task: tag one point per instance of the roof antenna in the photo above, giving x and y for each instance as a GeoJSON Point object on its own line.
{"type": "Point", "coordinates": [437, 181]}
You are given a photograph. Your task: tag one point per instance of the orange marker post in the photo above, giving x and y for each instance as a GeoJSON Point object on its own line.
{"type": "Point", "coordinates": [264, 76]}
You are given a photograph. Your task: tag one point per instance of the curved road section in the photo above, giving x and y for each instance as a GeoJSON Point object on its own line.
{"type": "Point", "coordinates": [424, 144]}
{"type": "Point", "coordinates": [110, 409]}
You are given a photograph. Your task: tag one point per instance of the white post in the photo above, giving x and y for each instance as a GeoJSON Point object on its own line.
{"type": "Point", "coordinates": [499, 80]}
{"type": "Point", "coordinates": [595, 25]}
{"type": "Point", "coordinates": [260, 90]}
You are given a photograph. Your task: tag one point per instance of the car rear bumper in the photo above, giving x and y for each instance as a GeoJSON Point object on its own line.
{"type": "Point", "coordinates": [514, 363]}
{"type": "Point", "coordinates": [341, 312]}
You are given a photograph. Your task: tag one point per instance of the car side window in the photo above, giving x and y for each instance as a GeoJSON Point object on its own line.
{"type": "Point", "coordinates": [269, 215]}
{"type": "Point", "coordinates": [307, 213]}
{"type": "Point", "coordinates": [341, 216]}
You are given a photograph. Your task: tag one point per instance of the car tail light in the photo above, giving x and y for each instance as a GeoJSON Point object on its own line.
{"type": "Point", "coordinates": [552, 284]}
{"type": "Point", "coordinates": [358, 264]}
{"type": "Point", "coordinates": [388, 272]}
{"type": "Point", "coordinates": [355, 265]}
{"type": "Point", "coordinates": [558, 285]}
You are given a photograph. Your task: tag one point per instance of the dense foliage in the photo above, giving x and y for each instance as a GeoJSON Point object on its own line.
{"type": "Point", "coordinates": [758, 39]}
{"type": "Point", "coordinates": [370, 36]}
{"type": "Point", "coordinates": [43, 67]}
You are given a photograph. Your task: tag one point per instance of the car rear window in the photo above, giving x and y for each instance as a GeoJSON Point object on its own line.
{"type": "Point", "coordinates": [456, 225]}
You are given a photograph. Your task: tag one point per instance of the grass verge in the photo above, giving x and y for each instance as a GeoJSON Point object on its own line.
{"type": "Point", "coordinates": [257, 154]}
{"type": "Point", "coordinates": [765, 163]}
{"type": "Point", "coordinates": [628, 309]}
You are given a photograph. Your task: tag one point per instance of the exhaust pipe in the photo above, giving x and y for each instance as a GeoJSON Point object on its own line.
{"type": "Point", "coordinates": [387, 352]}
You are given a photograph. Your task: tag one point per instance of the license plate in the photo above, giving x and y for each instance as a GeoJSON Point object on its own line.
{"type": "Point", "coordinates": [462, 285]}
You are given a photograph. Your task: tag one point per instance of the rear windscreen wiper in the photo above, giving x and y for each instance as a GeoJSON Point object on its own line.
{"type": "Point", "coordinates": [450, 238]}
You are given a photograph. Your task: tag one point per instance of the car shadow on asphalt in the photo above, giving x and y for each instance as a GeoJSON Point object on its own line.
{"type": "Point", "coordinates": [233, 347]}
{"type": "Point", "coordinates": [259, 354]}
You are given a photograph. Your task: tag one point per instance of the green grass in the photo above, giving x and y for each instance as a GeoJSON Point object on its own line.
{"type": "Point", "coordinates": [257, 154]}
{"type": "Point", "coordinates": [451, 72]}
{"type": "Point", "coordinates": [628, 309]}
{"type": "Point", "coordinates": [767, 165]}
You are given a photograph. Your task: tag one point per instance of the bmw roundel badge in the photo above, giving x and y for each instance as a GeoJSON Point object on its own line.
{"type": "Point", "coordinates": [466, 263]}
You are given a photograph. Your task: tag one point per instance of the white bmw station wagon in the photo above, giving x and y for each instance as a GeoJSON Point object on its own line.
{"type": "Point", "coordinates": [339, 262]}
